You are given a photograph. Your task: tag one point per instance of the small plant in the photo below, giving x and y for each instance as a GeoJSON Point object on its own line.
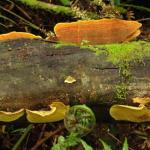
{"type": "Point", "coordinates": [70, 141]}
{"type": "Point", "coordinates": [108, 147]}
{"type": "Point", "coordinates": [79, 121]}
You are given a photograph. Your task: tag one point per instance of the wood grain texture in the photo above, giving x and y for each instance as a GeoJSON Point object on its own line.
{"type": "Point", "coordinates": [32, 75]}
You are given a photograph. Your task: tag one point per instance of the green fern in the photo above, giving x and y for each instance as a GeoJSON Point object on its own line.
{"type": "Point", "coordinates": [72, 140]}
{"type": "Point", "coordinates": [107, 147]}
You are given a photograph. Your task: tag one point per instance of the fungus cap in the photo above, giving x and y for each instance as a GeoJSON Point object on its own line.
{"type": "Point", "coordinates": [16, 35]}
{"type": "Point", "coordinates": [101, 31]}
{"type": "Point", "coordinates": [130, 113]}
{"type": "Point", "coordinates": [57, 113]}
{"type": "Point", "coordinates": [11, 116]}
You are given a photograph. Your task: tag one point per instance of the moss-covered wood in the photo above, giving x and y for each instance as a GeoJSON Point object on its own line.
{"type": "Point", "coordinates": [33, 73]}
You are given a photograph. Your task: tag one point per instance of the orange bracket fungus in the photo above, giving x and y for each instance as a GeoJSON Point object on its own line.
{"type": "Point", "coordinates": [101, 31]}
{"type": "Point", "coordinates": [131, 113]}
{"type": "Point", "coordinates": [16, 35]}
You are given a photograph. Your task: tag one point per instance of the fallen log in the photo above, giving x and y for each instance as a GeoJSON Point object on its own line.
{"type": "Point", "coordinates": [34, 73]}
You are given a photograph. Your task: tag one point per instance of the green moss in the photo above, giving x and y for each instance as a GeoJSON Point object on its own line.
{"type": "Point", "coordinates": [121, 55]}
{"type": "Point", "coordinates": [62, 44]}
{"type": "Point", "coordinates": [121, 91]}
{"type": "Point", "coordinates": [46, 6]}
{"type": "Point", "coordinates": [128, 52]}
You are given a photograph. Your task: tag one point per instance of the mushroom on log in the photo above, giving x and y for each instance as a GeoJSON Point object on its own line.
{"type": "Point", "coordinates": [34, 73]}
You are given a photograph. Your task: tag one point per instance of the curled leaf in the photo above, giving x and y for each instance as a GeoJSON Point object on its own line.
{"type": "Point", "coordinates": [56, 113]}
{"type": "Point", "coordinates": [130, 113]}
{"type": "Point", "coordinates": [11, 116]}
{"type": "Point", "coordinates": [80, 119]}
{"type": "Point", "coordinates": [16, 35]}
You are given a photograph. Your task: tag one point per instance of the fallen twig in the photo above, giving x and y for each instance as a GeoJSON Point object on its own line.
{"type": "Point", "coordinates": [111, 135]}
{"type": "Point", "coordinates": [23, 136]}
{"type": "Point", "coordinates": [48, 135]}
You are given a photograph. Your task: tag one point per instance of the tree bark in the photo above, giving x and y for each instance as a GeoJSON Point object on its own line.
{"type": "Point", "coordinates": [33, 74]}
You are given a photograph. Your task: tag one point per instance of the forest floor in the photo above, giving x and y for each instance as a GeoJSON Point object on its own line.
{"type": "Point", "coordinates": [42, 136]}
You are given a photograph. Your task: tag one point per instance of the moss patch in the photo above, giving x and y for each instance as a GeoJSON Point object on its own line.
{"type": "Point", "coordinates": [132, 51]}
{"type": "Point", "coordinates": [121, 55]}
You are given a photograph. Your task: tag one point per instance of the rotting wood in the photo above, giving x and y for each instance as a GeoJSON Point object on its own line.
{"type": "Point", "coordinates": [33, 74]}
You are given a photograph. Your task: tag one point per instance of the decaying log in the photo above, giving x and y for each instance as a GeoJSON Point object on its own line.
{"type": "Point", "coordinates": [33, 73]}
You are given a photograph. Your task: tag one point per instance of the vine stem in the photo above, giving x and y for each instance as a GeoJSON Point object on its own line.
{"type": "Point", "coordinates": [23, 136]}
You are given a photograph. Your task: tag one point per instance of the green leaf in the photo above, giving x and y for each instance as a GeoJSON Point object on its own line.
{"type": "Point", "coordinates": [72, 140]}
{"type": "Point", "coordinates": [60, 144]}
{"type": "Point", "coordinates": [105, 145]}
{"type": "Point", "coordinates": [65, 2]}
{"type": "Point", "coordinates": [125, 144]}
{"type": "Point", "coordinates": [85, 145]}
{"type": "Point", "coordinates": [64, 143]}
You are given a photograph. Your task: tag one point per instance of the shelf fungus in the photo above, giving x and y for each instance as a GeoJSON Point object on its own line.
{"type": "Point", "coordinates": [132, 113]}
{"type": "Point", "coordinates": [57, 113]}
{"type": "Point", "coordinates": [11, 116]}
{"type": "Point", "coordinates": [16, 35]}
{"type": "Point", "coordinates": [101, 31]}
